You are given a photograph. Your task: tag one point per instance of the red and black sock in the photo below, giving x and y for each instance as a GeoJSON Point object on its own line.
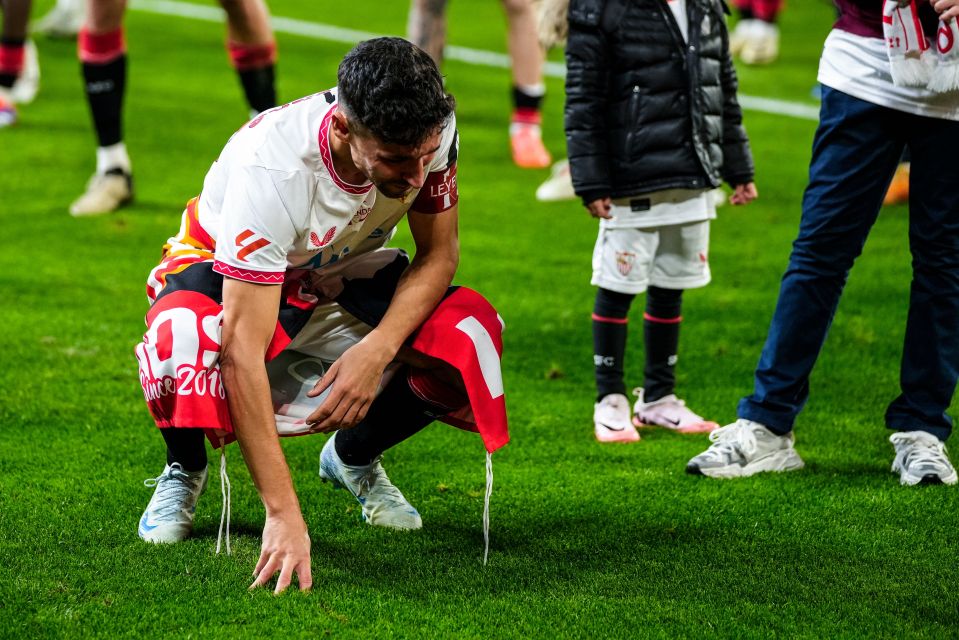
{"type": "Point", "coordinates": [526, 106]}
{"type": "Point", "coordinates": [661, 332]}
{"type": "Point", "coordinates": [256, 68]}
{"type": "Point", "coordinates": [11, 60]}
{"type": "Point", "coordinates": [610, 326]}
{"type": "Point", "coordinates": [104, 63]}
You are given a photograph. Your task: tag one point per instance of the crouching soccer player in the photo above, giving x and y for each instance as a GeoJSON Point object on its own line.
{"type": "Point", "coordinates": [279, 273]}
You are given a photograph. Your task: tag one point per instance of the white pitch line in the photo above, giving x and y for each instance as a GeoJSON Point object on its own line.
{"type": "Point", "coordinates": [480, 57]}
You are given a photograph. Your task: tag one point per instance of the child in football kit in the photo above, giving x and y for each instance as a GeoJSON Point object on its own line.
{"type": "Point", "coordinates": [652, 126]}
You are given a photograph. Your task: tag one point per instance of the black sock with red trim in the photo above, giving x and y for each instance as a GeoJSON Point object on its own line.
{"type": "Point", "coordinates": [610, 326]}
{"type": "Point", "coordinates": [661, 332]}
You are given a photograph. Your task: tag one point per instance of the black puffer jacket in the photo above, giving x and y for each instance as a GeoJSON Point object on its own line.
{"type": "Point", "coordinates": [646, 111]}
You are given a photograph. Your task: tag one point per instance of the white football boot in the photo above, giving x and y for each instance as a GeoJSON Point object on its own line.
{"type": "Point", "coordinates": [63, 21]}
{"type": "Point", "coordinates": [743, 448]}
{"type": "Point", "coordinates": [106, 192]}
{"type": "Point", "coordinates": [383, 504]}
{"type": "Point", "coordinates": [169, 514]}
{"type": "Point", "coordinates": [25, 89]}
{"type": "Point", "coordinates": [611, 420]}
{"type": "Point", "coordinates": [921, 458]}
{"type": "Point", "coordinates": [559, 185]}
{"type": "Point", "coordinates": [670, 413]}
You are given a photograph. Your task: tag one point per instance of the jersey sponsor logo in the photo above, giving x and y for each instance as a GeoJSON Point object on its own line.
{"type": "Point", "coordinates": [624, 261]}
{"type": "Point", "coordinates": [317, 242]}
{"type": "Point", "coordinates": [248, 247]}
{"type": "Point", "coordinates": [362, 214]}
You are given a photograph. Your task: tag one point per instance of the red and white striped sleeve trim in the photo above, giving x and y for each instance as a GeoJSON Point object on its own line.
{"type": "Point", "coordinates": [248, 275]}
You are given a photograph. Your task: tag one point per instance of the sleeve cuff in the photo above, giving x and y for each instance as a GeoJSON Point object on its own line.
{"type": "Point", "coordinates": [248, 275]}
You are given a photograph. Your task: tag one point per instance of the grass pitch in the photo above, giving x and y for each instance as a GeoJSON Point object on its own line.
{"type": "Point", "coordinates": [587, 540]}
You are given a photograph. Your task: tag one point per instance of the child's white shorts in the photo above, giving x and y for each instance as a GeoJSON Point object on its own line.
{"type": "Point", "coordinates": [628, 260]}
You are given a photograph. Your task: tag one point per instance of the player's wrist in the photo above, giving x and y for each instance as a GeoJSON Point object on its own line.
{"type": "Point", "coordinates": [384, 344]}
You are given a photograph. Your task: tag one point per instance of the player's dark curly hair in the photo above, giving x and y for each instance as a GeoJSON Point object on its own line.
{"type": "Point", "coordinates": [392, 88]}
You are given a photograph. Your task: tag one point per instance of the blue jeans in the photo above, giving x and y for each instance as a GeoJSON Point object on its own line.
{"type": "Point", "coordinates": [855, 152]}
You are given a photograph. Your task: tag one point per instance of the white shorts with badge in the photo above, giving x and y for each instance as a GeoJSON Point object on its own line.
{"type": "Point", "coordinates": [630, 256]}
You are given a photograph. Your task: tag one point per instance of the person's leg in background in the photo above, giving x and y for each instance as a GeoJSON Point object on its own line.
{"type": "Point", "coordinates": [930, 357]}
{"type": "Point", "coordinates": [101, 47]}
{"type": "Point", "coordinates": [252, 50]}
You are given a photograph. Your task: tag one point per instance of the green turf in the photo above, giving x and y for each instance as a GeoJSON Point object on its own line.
{"type": "Point", "coordinates": [587, 540]}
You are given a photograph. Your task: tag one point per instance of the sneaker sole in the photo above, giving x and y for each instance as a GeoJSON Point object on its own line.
{"type": "Point", "coordinates": [909, 480]}
{"type": "Point", "coordinates": [620, 436]}
{"type": "Point", "coordinates": [702, 427]}
{"type": "Point", "coordinates": [786, 460]}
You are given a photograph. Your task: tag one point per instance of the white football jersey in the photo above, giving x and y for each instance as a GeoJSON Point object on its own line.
{"type": "Point", "coordinates": [273, 202]}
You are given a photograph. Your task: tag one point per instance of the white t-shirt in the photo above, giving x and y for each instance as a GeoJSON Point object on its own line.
{"type": "Point", "coordinates": [273, 202]}
{"type": "Point", "coordinates": [859, 66]}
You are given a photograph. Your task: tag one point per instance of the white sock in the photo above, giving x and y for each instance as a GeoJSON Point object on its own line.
{"type": "Point", "coordinates": [113, 157]}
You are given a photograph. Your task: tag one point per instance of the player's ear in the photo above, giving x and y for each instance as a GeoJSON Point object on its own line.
{"type": "Point", "coordinates": [340, 126]}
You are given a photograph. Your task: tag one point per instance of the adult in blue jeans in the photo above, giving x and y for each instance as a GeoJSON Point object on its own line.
{"type": "Point", "coordinates": [865, 124]}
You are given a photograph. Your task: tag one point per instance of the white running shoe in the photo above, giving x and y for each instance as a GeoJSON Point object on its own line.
{"type": "Point", "coordinates": [63, 21]}
{"type": "Point", "coordinates": [921, 458]}
{"type": "Point", "coordinates": [761, 45]}
{"type": "Point", "coordinates": [670, 413]}
{"type": "Point", "coordinates": [383, 504]}
{"type": "Point", "coordinates": [611, 420]}
{"type": "Point", "coordinates": [106, 192]}
{"type": "Point", "coordinates": [559, 185]}
{"type": "Point", "coordinates": [169, 514]}
{"type": "Point", "coordinates": [25, 89]}
{"type": "Point", "coordinates": [743, 448]}
{"type": "Point", "coordinates": [8, 111]}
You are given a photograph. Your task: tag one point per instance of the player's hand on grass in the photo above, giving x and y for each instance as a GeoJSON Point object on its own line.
{"type": "Point", "coordinates": [285, 549]}
{"type": "Point", "coordinates": [744, 193]}
{"type": "Point", "coordinates": [946, 8]}
{"type": "Point", "coordinates": [600, 208]}
{"type": "Point", "coordinates": [354, 379]}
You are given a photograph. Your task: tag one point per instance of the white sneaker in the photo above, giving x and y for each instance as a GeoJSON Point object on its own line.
{"type": "Point", "coordinates": [743, 448]}
{"type": "Point", "coordinates": [63, 21]}
{"type": "Point", "coordinates": [761, 45]}
{"type": "Point", "coordinates": [106, 192]}
{"type": "Point", "coordinates": [169, 515]}
{"type": "Point", "coordinates": [25, 89]}
{"type": "Point", "coordinates": [670, 413]}
{"type": "Point", "coordinates": [921, 459]}
{"type": "Point", "coordinates": [559, 185]}
{"type": "Point", "coordinates": [611, 420]}
{"type": "Point", "coordinates": [383, 504]}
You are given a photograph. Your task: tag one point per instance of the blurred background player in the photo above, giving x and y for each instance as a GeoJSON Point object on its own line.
{"type": "Point", "coordinates": [755, 40]}
{"type": "Point", "coordinates": [652, 126]}
{"type": "Point", "coordinates": [19, 70]}
{"type": "Point", "coordinates": [102, 50]}
{"type": "Point", "coordinates": [427, 29]}
{"type": "Point", "coordinates": [62, 21]}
